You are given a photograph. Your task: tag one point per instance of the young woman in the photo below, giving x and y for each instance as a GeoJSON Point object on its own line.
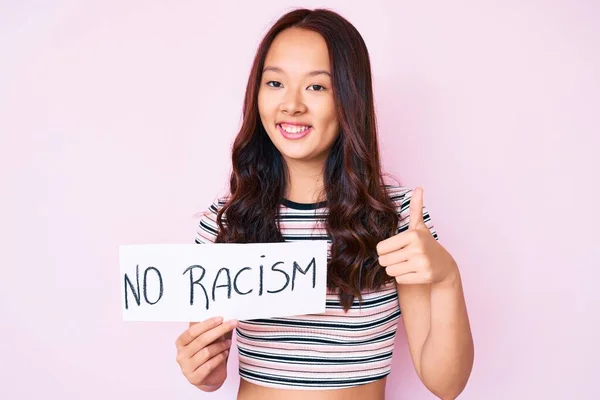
{"type": "Point", "coordinates": [305, 165]}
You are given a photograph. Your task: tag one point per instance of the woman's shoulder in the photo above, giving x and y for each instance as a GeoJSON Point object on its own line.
{"type": "Point", "coordinates": [208, 227]}
{"type": "Point", "coordinates": [219, 201]}
{"type": "Point", "coordinates": [210, 212]}
{"type": "Point", "coordinates": [395, 190]}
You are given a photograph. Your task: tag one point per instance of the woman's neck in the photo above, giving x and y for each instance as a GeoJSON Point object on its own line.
{"type": "Point", "coordinates": [305, 182]}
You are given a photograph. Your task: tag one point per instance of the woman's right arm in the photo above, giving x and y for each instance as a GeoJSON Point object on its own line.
{"type": "Point", "coordinates": [203, 350]}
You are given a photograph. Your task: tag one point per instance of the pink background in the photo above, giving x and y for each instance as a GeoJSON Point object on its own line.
{"type": "Point", "coordinates": [116, 120]}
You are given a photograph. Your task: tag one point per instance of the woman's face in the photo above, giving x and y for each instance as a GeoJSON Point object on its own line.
{"type": "Point", "coordinates": [295, 99]}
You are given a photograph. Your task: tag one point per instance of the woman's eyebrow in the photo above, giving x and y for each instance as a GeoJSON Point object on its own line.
{"type": "Point", "coordinates": [311, 73]}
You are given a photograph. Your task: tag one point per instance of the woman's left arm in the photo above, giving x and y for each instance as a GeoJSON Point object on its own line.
{"type": "Point", "coordinates": [432, 303]}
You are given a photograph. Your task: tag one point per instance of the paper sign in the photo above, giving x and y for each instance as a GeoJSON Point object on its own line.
{"type": "Point", "coordinates": [191, 282]}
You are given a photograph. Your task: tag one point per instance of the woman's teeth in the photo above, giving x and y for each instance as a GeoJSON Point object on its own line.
{"type": "Point", "coordinates": [294, 128]}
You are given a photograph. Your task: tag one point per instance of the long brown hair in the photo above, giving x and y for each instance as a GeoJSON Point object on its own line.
{"type": "Point", "coordinates": [360, 211]}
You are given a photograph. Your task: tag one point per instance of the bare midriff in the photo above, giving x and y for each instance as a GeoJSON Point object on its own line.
{"type": "Point", "coordinates": [371, 391]}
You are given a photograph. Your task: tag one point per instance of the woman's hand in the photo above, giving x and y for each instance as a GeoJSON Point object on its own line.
{"type": "Point", "coordinates": [415, 256]}
{"type": "Point", "coordinates": [202, 352]}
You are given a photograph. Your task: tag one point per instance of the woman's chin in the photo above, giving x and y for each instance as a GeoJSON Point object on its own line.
{"type": "Point", "coordinates": [296, 156]}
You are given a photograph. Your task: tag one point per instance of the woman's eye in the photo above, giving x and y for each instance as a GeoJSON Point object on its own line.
{"type": "Point", "coordinates": [273, 82]}
{"type": "Point", "coordinates": [318, 86]}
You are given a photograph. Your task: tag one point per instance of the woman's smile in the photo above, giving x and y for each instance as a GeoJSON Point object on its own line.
{"type": "Point", "coordinates": [294, 132]}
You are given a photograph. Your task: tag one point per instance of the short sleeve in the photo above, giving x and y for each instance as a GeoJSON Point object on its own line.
{"type": "Point", "coordinates": [208, 228]}
{"type": "Point", "coordinates": [401, 196]}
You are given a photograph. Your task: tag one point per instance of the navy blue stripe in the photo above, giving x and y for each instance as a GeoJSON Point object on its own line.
{"type": "Point", "coordinates": [311, 382]}
{"type": "Point", "coordinates": [319, 324]}
{"type": "Point", "coordinates": [315, 360]}
{"type": "Point", "coordinates": [306, 340]}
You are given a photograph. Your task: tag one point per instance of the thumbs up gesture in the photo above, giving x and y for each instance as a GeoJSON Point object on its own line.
{"type": "Point", "coordinates": [415, 256]}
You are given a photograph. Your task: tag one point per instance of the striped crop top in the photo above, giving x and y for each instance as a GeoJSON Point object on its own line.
{"type": "Point", "coordinates": [336, 349]}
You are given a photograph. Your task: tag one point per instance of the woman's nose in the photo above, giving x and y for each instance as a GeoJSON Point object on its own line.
{"type": "Point", "coordinates": [292, 103]}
